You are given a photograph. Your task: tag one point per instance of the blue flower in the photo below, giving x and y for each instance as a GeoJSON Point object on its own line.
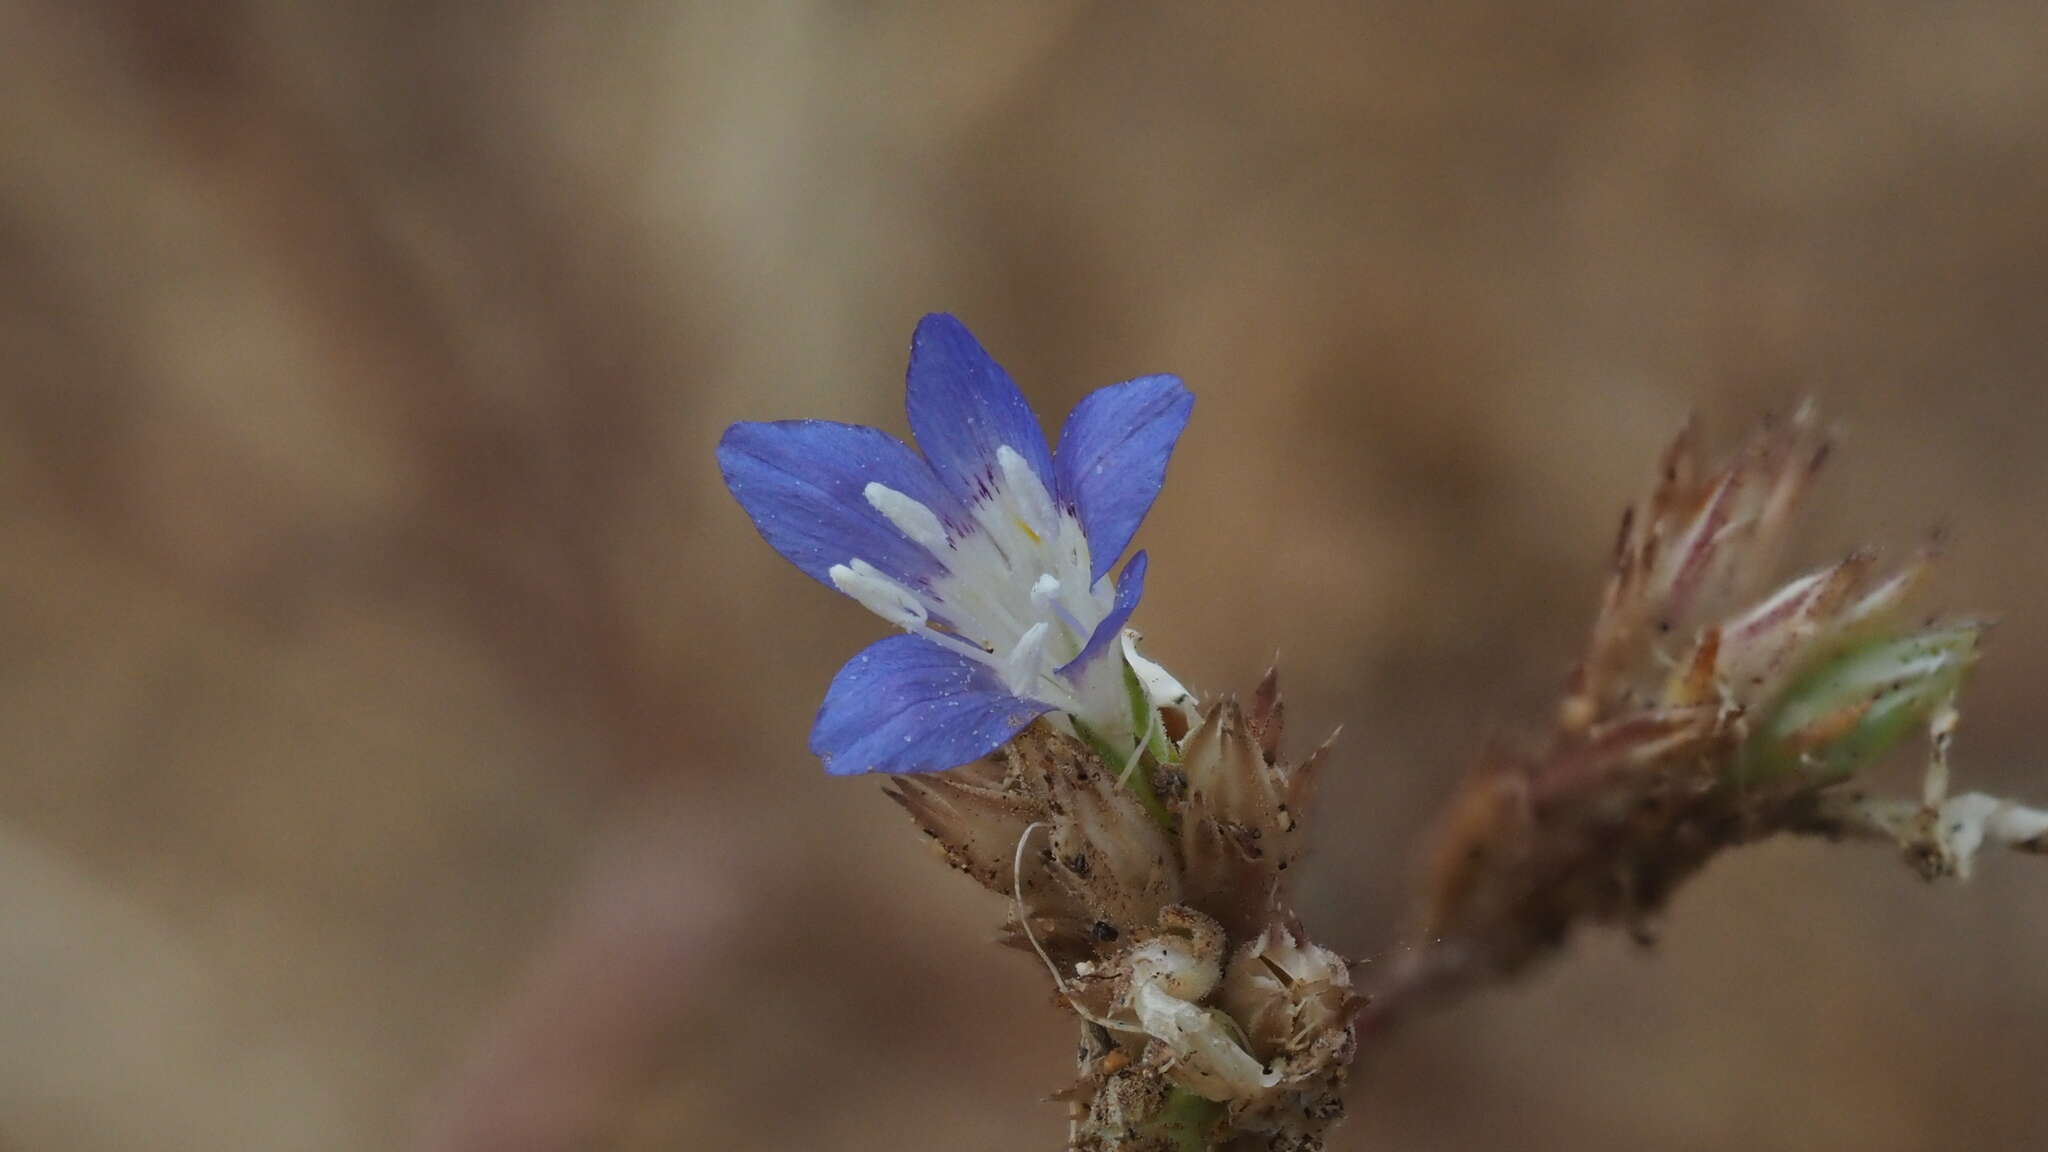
{"type": "Point", "coordinates": [991, 550]}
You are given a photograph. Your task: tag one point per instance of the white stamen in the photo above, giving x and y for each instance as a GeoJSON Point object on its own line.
{"type": "Point", "coordinates": [1014, 592]}
{"type": "Point", "coordinates": [879, 594]}
{"type": "Point", "coordinates": [1020, 667]}
{"type": "Point", "coordinates": [1021, 484]}
{"type": "Point", "coordinates": [910, 517]}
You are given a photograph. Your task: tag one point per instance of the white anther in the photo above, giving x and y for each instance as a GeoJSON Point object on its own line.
{"type": "Point", "coordinates": [879, 594]}
{"type": "Point", "coordinates": [910, 517]}
{"type": "Point", "coordinates": [1022, 485]}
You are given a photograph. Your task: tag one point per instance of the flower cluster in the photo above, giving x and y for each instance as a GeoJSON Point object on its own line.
{"type": "Point", "coordinates": [1144, 843]}
{"type": "Point", "coordinates": [1157, 898]}
{"type": "Point", "coordinates": [991, 550]}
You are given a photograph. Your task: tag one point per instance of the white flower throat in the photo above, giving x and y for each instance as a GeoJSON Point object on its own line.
{"type": "Point", "coordinates": [1014, 591]}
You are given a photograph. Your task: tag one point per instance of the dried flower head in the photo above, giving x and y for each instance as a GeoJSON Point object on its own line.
{"type": "Point", "coordinates": [1164, 921]}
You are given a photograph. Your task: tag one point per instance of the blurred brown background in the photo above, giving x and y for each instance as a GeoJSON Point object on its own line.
{"type": "Point", "coordinates": [404, 733]}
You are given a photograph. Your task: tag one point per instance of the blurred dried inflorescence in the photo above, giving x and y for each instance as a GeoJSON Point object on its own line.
{"type": "Point", "coordinates": [1707, 714]}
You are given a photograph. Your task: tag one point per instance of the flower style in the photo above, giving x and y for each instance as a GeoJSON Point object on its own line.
{"type": "Point", "coordinates": [990, 550]}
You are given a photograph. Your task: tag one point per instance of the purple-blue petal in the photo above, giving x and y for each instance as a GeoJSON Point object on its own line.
{"type": "Point", "coordinates": [905, 704]}
{"type": "Point", "coordinates": [963, 407]}
{"type": "Point", "coordinates": [803, 483]}
{"type": "Point", "coordinates": [1112, 459]}
{"type": "Point", "coordinates": [1130, 588]}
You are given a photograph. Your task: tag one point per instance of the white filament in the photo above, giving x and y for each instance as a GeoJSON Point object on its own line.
{"type": "Point", "coordinates": [1023, 915]}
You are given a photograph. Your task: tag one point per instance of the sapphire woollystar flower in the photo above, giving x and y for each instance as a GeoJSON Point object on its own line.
{"type": "Point", "coordinates": [991, 550]}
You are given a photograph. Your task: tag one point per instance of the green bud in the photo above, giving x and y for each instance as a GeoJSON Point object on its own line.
{"type": "Point", "coordinates": [1187, 1122]}
{"type": "Point", "coordinates": [1856, 704]}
